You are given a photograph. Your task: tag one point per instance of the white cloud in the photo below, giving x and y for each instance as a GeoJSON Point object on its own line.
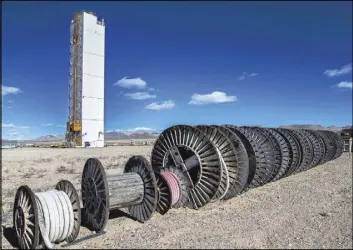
{"type": "Point", "coordinates": [60, 126]}
{"type": "Point", "coordinates": [8, 125]}
{"type": "Point", "coordinates": [140, 95]}
{"type": "Point", "coordinates": [241, 78]}
{"type": "Point", "coordinates": [345, 69]}
{"type": "Point", "coordinates": [11, 125]}
{"type": "Point", "coordinates": [344, 85]}
{"type": "Point", "coordinates": [131, 83]}
{"type": "Point", "coordinates": [246, 75]}
{"type": "Point", "coordinates": [6, 90]}
{"type": "Point", "coordinates": [47, 124]}
{"type": "Point", "coordinates": [153, 89]}
{"type": "Point", "coordinates": [160, 106]}
{"type": "Point", "coordinates": [214, 97]}
{"type": "Point", "coordinates": [10, 101]}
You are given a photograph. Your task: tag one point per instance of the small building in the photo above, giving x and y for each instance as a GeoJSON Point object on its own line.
{"type": "Point", "coordinates": [347, 136]}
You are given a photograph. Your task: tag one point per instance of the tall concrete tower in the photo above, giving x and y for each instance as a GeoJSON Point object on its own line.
{"type": "Point", "coordinates": [85, 126]}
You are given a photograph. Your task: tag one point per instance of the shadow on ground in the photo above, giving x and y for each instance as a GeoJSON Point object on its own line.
{"type": "Point", "coordinates": [117, 213]}
{"type": "Point", "coordinates": [113, 214]}
{"type": "Point", "coordinates": [10, 235]}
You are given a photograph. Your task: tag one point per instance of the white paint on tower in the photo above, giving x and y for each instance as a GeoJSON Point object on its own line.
{"type": "Point", "coordinates": [90, 81]}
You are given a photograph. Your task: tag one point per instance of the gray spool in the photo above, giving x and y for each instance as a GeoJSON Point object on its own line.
{"type": "Point", "coordinates": [103, 191]}
{"type": "Point", "coordinates": [125, 190]}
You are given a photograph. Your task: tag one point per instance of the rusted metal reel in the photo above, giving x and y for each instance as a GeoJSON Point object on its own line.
{"type": "Point", "coordinates": [103, 191]}
{"type": "Point", "coordinates": [189, 150]}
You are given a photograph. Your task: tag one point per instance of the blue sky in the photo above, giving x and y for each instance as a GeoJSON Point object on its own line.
{"type": "Point", "coordinates": [254, 63]}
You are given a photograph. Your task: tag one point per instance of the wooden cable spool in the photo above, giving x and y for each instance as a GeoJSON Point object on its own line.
{"type": "Point", "coordinates": [103, 191]}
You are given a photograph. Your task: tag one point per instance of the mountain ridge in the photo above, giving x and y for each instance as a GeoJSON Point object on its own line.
{"type": "Point", "coordinates": [116, 135]}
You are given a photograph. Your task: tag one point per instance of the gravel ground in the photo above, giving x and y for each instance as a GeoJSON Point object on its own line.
{"type": "Point", "coordinates": [312, 209]}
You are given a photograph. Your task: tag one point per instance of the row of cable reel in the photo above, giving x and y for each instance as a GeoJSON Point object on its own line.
{"type": "Point", "coordinates": [220, 162]}
{"type": "Point", "coordinates": [190, 167]}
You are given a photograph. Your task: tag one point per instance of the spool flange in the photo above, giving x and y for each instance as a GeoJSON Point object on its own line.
{"type": "Point", "coordinates": [67, 187]}
{"type": "Point", "coordinates": [143, 211]}
{"type": "Point", "coordinates": [164, 194]}
{"type": "Point", "coordinates": [25, 218]}
{"type": "Point", "coordinates": [95, 195]}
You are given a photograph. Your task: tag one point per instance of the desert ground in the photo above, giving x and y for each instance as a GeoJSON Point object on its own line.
{"type": "Point", "coordinates": [312, 209]}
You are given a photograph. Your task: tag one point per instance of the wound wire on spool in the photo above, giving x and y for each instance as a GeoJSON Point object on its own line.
{"type": "Point", "coordinates": [58, 216]}
{"type": "Point", "coordinates": [46, 217]}
{"type": "Point", "coordinates": [173, 184]}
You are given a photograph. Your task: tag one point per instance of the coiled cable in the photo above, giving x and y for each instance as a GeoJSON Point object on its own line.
{"type": "Point", "coordinates": [173, 184]}
{"type": "Point", "coordinates": [56, 216]}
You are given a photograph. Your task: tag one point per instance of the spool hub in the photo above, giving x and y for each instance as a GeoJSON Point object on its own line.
{"type": "Point", "coordinates": [25, 218]}
{"type": "Point", "coordinates": [143, 211]}
{"type": "Point", "coordinates": [71, 192]}
{"type": "Point", "coordinates": [95, 195]}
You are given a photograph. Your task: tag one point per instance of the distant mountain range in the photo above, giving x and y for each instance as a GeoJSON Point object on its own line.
{"type": "Point", "coordinates": [107, 136]}
{"type": "Point", "coordinates": [316, 127]}
{"type": "Point", "coordinates": [114, 135]}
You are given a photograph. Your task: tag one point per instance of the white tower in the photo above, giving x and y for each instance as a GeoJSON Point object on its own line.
{"type": "Point", "coordinates": [86, 89]}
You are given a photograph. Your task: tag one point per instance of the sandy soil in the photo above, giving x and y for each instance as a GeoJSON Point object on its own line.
{"type": "Point", "coordinates": [308, 210]}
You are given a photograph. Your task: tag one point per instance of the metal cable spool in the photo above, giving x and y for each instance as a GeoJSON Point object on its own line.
{"type": "Point", "coordinates": [228, 157]}
{"type": "Point", "coordinates": [307, 150]}
{"type": "Point", "coordinates": [316, 147]}
{"type": "Point", "coordinates": [238, 179]}
{"type": "Point", "coordinates": [250, 154]}
{"type": "Point", "coordinates": [188, 149]}
{"type": "Point", "coordinates": [283, 155]}
{"type": "Point", "coordinates": [296, 155]}
{"type": "Point", "coordinates": [184, 185]}
{"type": "Point", "coordinates": [276, 150]}
{"type": "Point", "coordinates": [339, 144]}
{"type": "Point", "coordinates": [47, 217]}
{"type": "Point", "coordinates": [263, 152]}
{"type": "Point", "coordinates": [321, 145]}
{"type": "Point", "coordinates": [103, 191]}
{"type": "Point", "coordinates": [330, 145]}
